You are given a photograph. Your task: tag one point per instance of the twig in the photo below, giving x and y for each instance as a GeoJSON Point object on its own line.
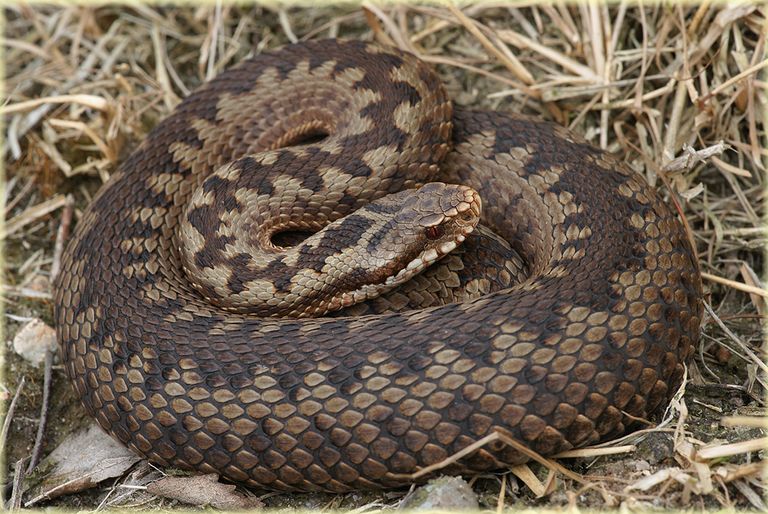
{"type": "Point", "coordinates": [14, 503]}
{"type": "Point", "coordinates": [436, 59]}
{"type": "Point", "coordinates": [9, 413]}
{"type": "Point", "coordinates": [673, 123]}
{"type": "Point", "coordinates": [735, 285]}
{"type": "Point", "coordinates": [108, 152]}
{"type": "Point", "coordinates": [736, 78]}
{"type": "Point", "coordinates": [43, 412]}
{"type": "Point", "coordinates": [91, 101]}
{"type": "Point", "coordinates": [594, 452]}
{"type": "Point", "coordinates": [285, 23]}
{"type": "Point", "coordinates": [502, 492]}
{"type": "Point", "coordinates": [547, 463]}
{"type": "Point", "coordinates": [509, 441]}
{"type": "Point", "coordinates": [373, 13]}
{"type": "Point", "coordinates": [161, 72]}
{"type": "Point", "coordinates": [524, 473]}
{"type": "Point", "coordinates": [33, 213]}
{"type": "Point", "coordinates": [456, 456]}
{"type": "Point", "coordinates": [726, 450]}
{"type": "Point", "coordinates": [19, 196]}
{"type": "Point", "coordinates": [745, 421]}
{"type": "Point", "coordinates": [47, 494]}
{"type": "Point", "coordinates": [730, 168]}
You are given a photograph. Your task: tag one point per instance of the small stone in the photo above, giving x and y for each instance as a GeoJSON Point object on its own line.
{"type": "Point", "coordinates": [39, 284]}
{"type": "Point", "coordinates": [444, 493]}
{"type": "Point", "coordinates": [33, 340]}
{"type": "Point", "coordinates": [642, 465]}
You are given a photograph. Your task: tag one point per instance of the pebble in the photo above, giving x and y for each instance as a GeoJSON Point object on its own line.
{"type": "Point", "coordinates": [444, 493]}
{"type": "Point", "coordinates": [33, 339]}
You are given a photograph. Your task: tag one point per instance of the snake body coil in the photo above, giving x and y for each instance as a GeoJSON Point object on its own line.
{"type": "Point", "coordinates": [595, 336]}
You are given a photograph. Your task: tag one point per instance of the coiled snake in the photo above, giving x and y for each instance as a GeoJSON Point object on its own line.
{"type": "Point", "coordinates": [594, 336]}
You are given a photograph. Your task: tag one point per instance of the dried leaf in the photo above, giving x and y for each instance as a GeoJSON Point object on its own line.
{"type": "Point", "coordinates": [80, 462]}
{"type": "Point", "coordinates": [203, 490]}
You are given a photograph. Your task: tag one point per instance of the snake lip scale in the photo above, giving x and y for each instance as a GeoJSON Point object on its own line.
{"type": "Point", "coordinates": [593, 335]}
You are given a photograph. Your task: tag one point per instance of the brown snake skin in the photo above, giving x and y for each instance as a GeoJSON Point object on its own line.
{"type": "Point", "coordinates": [596, 336]}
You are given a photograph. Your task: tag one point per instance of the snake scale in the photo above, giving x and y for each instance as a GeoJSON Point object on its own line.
{"type": "Point", "coordinates": [594, 336]}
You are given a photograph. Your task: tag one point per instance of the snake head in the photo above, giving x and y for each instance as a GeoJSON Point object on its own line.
{"type": "Point", "coordinates": [383, 244]}
{"type": "Point", "coordinates": [425, 225]}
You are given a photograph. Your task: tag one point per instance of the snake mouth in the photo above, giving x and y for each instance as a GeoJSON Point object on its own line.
{"type": "Point", "coordinates": [421, 262]}
{"type": "Point", "coordinates": [428, 257]}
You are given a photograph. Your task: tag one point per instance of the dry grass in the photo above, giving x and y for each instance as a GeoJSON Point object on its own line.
{"type": "Point", "coordinates": [674, 90]}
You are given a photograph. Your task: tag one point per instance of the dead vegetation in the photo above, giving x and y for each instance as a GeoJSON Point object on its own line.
{"type": "Point", "coordinates": [677, 91]}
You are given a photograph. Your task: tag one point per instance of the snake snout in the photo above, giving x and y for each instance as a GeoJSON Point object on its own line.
{"type": "Point", "coordinates": [468, 210]}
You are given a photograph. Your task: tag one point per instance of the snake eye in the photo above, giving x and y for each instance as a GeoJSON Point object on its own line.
{"type": "Point", "coordinates": [434, 232]}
